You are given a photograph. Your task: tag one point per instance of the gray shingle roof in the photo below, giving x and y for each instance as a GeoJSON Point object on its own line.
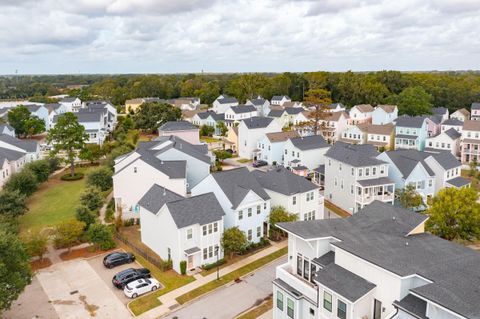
{"type": "Point", "coordinates": [375, 181]}
{"type": "Point", "coordinates": [334, 106]}
{"type": "Point", "coordinates": [279, 97]}
{"type": "Point", "coordinates": [325, 259]}
{"type": "Point", "coordinates": [309, 142]}
{"type": "Point", "coordinates": [68, 99]}
{"type": "Point", "coordinates": [156, 197]}
{"type": "Point", "coordinates": [33, 107]}
{"type": "Point", "coordinates": [437, 119]}
{"type": "Point", "coordinates": [407, 160]}
{"type": "Point", "coordinates": [275, 113]}
{"type": "Point", "coordinates": [283, 181]}
{"type": "Point", "coordinates": [177, 126]}
{"type": "Point", "coordinates": [197, 151]}
{"type": "Point", "coordinates": [239, 109]}
{"type": "Point", "coordinates": [453, 122]}
{"type": "Point", "coordinates": [475, 106]}
{"type": "Point", "coordinates": [236, 183]}
{"type": "Point", "coordinates": [439, 110]}
{"type": "Point", "coordinates": [458, 181]}
{"type": "Point", "coordinates": [413, 305]}
{"type": "Point", "coordinates": [453, 133]}
{"type": "Point", "coordinates": [294, 110]}
{"type": "Point", "coordinates": [258, 102]}
{"type": "Point", "coordinates": [355, 155]}
{"type": "Point", "coordinates": [257, 122]}
{"type": "Point", "coordinates": [446, 160]}
{"type": "Point", "coordinates": [408, 121]}
{"type": "Point", "coordinates": [173, 169]}
{"type": "Point", "coordinates": [10, 155]}
{"type": "Point", "coordinates": [227, 100]}
{"type": "Point", "coordinates": [30, 146]}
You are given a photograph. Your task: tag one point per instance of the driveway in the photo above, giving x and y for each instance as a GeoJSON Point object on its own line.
{"type": "Point", "coordinates": [229, 301]}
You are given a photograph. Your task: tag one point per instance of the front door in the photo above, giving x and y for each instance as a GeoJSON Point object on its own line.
{"type": "Point", "coordinates": [377, 309]}
{"type": "Point", "coordinates": [190, 262]}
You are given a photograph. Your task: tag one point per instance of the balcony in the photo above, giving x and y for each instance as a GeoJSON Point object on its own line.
{"type": "Point", "coordinates": [381, 189]}
{"type": "Point", "coordinates": [289, 276]}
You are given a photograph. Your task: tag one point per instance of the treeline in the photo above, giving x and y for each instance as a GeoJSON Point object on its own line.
{"type": "Point", "coordinates": [449, 89]}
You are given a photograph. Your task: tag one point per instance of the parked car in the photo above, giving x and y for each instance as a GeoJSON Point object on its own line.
{"type": "Point", "coordinates": [121, 279]}
{"type": "Point", "coordinates": [140, 287]}
{"type": "Point", "coordinates": [259, 163]}
{"type": "Point", "coordinates": [118, 258]}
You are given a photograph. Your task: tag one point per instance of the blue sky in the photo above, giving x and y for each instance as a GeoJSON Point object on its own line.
{"type": "Point", "coordinates": [166, 36]}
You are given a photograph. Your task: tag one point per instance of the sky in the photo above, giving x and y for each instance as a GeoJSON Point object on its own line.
{"type": "Point", "coordinates": [180, 36]}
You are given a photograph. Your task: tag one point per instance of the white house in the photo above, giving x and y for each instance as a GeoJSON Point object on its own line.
{"type": "Point", "coordinates": [55, 109]}
{"type": "Point", "coordinates": [354, 177]}
{"type": "Point", "coordinates": [243, 199]}
{"type": "Point", "coordinates": [182, 229]}
{"type": "Point", "coordinates": [379, 264]}
{"type": "Point", "coordinates": [30, 148]}
{"type": "Point", "coordinates": [223, 103]}
{"type": "Point", "coordinates": [384, 114]}
{"type": "Point", "coordinates": [333, 125]}
{"type": "Point", "coordinates": [441, 111]}
{"type": "Point", "coordinates": [7, 129]}
{"type": "Point", "coordinates": [271, 146]}
{"type": "Point", "coordinates": [475, 108]}
{"type": "Point", "coordinates": [295, 193]}
{"type": "Point", "coordinates": [470, 143]}
{"type": "Point", "coordinates": [285, 117]}
{"type": "Point", "coordinates": [108, 109]}
{"type": "Point", "coordinates": [451, 123]}
{"type": "Point", "coordinates": [182, 129]}
{"type": "Point", "coordinates": [41, 112]}
{"type": "Point", "coordinates": [239, 113]}
{"type": "Point", "coordinates": [461, 115]}
{"type": "Point", "coordinates": [280, 99]}
{"type": "Point", "coordinates": [361, 113]}
{"type": "Point", "coordinates": [251, 131]}
{"type": "Point", "coordinates": [94, 122]}
{"type": "Point", "coordinates": [335, 107]}
{"type": "Point", "coordinates": [71, 104]}
{"type": "Point", "coordinates": [448, 140]}
{"type": "Point", "coordinates": [262, 105]}
{"type": "Point", "coordinates": [12, 161]}
{"type": "Point", "coordinates": [306, 151]}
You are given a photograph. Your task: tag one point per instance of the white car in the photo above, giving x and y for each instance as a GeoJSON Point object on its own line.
{"type": "Point", "coordinates": [140, 286]}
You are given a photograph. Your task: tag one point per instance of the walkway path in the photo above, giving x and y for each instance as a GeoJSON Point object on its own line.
{"type": "Point", "coordinates": [168, 300]}
{"type": "Point", "coordinates": [103, 210]}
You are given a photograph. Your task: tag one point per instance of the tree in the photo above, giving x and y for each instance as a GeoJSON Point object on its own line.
{"type": "Point", "coordinates": [12, 204]}
{"type": "Point", "coordinates": [68, 136]}
{"type": "Point", "coordinates": [24, 181]}
{"type": "Point", "coordinates": [36, 244]}
{"type": "Point", "coordinates": [83, 214]}
{"type": "Point", "coordinates": [24, 123]}
{"type": "Point", "coordinates": [91, 198]}
{"type": "Point", "coordinates": [220, 155]}
{"type": "Point", "coordinates": [150, 116]}
{"type": "Point", "coordinates": [41, 169]}
{"type": "Point", "coordinates": [223, 128]}
{"type": "Point", "coordinates": [472, 172]}
{"type": "Point", "coordinates": [91, 152]}
{"type": "Point", "coordinates": [15, 272]}
{"type": "Point", "coordinates": [318, 100]}
{"type": "Point", "coordinates": [101, 236]}
{"type": "Point", "coordinates": [413, 101]}
{"type": "Point", "coordinates": [455, 214]}
{"type": "Point", "coordinates": [409, 197]}
{"type": "Point", "coordinates": [233, 240]}
{"type": "Point", "coordinates": [206, 130]}
{"type": "Point", "coordinates": [279, 214]}
{"type": "Point", "coordinates": [101, 177]}
{"type": "Point", "coordinates": [68, 233]}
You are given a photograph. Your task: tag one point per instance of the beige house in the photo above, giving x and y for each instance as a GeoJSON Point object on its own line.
{"type": "Point", "coordinates": [232, 137]}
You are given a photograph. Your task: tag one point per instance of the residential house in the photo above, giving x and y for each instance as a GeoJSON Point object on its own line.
{"type": "Point", "coordinates": [335, 107]}
{"type": "Point", "coordinates": [285, 117]}
{"type": "Point", "coordinates": [379, 263]}
{"type": "Point", "coordinates": [71, 104]}
{"type": "Point", "coordinates": [333, 125]}
{"type": "Point", "coordinates": [293, 104]}
{"type": "Point", "coordinates": [235, 114]}
{"type": "Point", "coordinates": [232, 138]}
{"type": "Point", "coordinates": [188, 115]}
{"type": "Point", "coordinates": [182, 229]}
{"type": "Point", "coordinates": [271, 146]}
{"type": "Point", "coordinates": [361, 113]}
{"type": "Point", "coordinates": [306, 151]}
{"type": "Point", "coordinates": [280, 100]}
{"type": "Point", "coordinates": [108, 109]}
{"type": "Point", "coordinates": [94, 123]}
{"type": "Point", "coordinates": [11, 161]}
{"type": "Point", "coordinates": [182, 129]}
{"type": "Point", "coordinates": [209, 118]}
{"type": "Point", "coordinates": [384, 114]}
{"type": "Point", "coordinates": [301, 124]}
{"type": "Point", "coordinates": [41, 112]}
{"type": "Point", "coordinates": [223, 103]}
{"type": "Point", "coordinates": [447, 169]}
{"type": "Point", "coordinates": [262, 105]}
{"type": "Point", "coordinates": [251, 131]}
{"type": "Point", "coordinates": [133, 104]}
{"type": "Point", "coordinates": [434, 123]}
{"type": "Point", "coordinates": [55, 109]}
{"type": "Point", "coordinates": [7, 129]}
{"type": "Point", "coordinates": [185, 103]}
{"type": "Point", "coordinates": [441, 111]}
{"type": "Point", "coordinates": [452, 123]}
{"type": "Point", "coordinates": [4, 169]}
{"type": "Point", "coordinates": [475, 108]}
{"type": "Point", "coordinates": [243, 199]}
{"type": "Point", "coordinates": [461, 115]}
{"type": "Point", "coordinates": [448, 140]}
{"type": "Point", "coordinates": [381, 136]}
{"type": "Point", "coordinates": [296, 194]}
{"type": "Point", "coordinates": [470, 143]}
{"type": "Point", "coordinates": [30, 148]}
{"type": "Point", "coordinates": [411, 132]}
{"type": "Point", "coordinates": [354, 177]}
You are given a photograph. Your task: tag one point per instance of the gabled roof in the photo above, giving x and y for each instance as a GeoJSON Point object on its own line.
{"type": "Point", "coordinates": [335, 105]}
{"type": "Point", "coordinates": [156, 197]}
{"type": "Point", "coordinates": [283, 181]}
{"type": "Point", "coordinates": [52, 106]}
{"type": "Point", "coordinates": [173, 169]}
{"type": "Point", "coordinates": [33, 107]}
{"type": "Point", "coordinates": [453, 133]}
{"type": "Point", "coordinates": [84, 117]}
{"type": "Point", "coordinates": [446, 160]}
{"type": "Point", "coordinates": [309, 142]}
{"type": "Point", "coordinates": [197, 151]}
{"type": "Point", "coordinates": [201, 209]}
{"type": "Point", "coordinates": [453, 121]}
{"type": "Point", "coordinates": [407, 160]}
{"type": "Point", "coordinates": [239, 109]}
{"type": "Point", "coordinates": [227, 100]}
{"type": "Point", "coordinates": [355, 155]}
{"type": "Point", "coordinates": [68, 99]}
{"type": "Point", "coordinates": [458, 181]}
{"type": "Point", "coordinates": [281, 136]}
{"type": "Point", "coordinates": [436, 119]}
{"type": "Point", "coordinates": [280, 97]}
{"type": "Point", "coordinates": [257, 122]}
{"type": "Point", "coordinates": [410, 121]}
{"type": "Point", "coordinates": [471, 125]}
{"type": "Point", "coordinates": [10, 155]}
{"type": "Point", "coordinates": [7, 126]}
{"type": "Point", "coordinates": [439, 110]}
{"type": "Point", "coordinates": [364, 108]}
{"type": "Point", "coordinates": [236, 183]}
{"type": "Point", "coordinates": [276, 113]}
{"type": "Point", "coordinates": [177, 126]}
{"type": "Point", "coordinates": [464, 111]}
{"type": "Point", "coordinates": [258, 101]}
{"type": "Point", "coordinates": [385, 129]}
{"type": "Point", "coordinates": [387, 108]}
{"type": "Point", "coordinates": [29, 146]}
{"type": "Point", "coordinates": [413, 305]}
{"type": "Point", "coordinates": [335, 116]}
{"type": "Point", "coordinates": [293, 110]}
{"type": "Point", "coordinates": [475, 106]}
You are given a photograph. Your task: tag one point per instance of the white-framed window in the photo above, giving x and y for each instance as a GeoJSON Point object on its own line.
{"type": "Point", "coordinates": [259, 209]}
{"type": "Point", "coordinates": [249, 212]}
{"type": "Point", "coordinates": [259, 231]}
{"type": "Point", "coordinates": [294, 200]}
{"type": "Point", "coordinates": [240, 214]}
{"type": "Point", "coordinates": [341, 309]}
{"type": "Point", "coordinates": [340, 166]}
{"type": "Point", "coordinates": [135, 169]}
{"type": "Point", "coordinates": [335, 181]}
{"type": "Point", "coordinates": [279, 300]}
{"type": "Point", "coordinates": [210, 251]}
{"type": "Point", "coordinates": [215, 227]}
{"type": "Point", "coordinates": [360, 171]}
{"type": "Point", "coordinates": [210, 228]}
{"type": "Point", "coordinates": [204, 229]}
{"type": "Point", "coordinates": [189, 233]}
{"type": "Point", "coordinates": [351, 189]}
{"type": "Point", "coordinates": [341, 184]}
{"type": "Point", "coordinates": [249, 235]}
{"type": "Point", "coordinates": [327, 301]}
{"type": "Point", "coordinates": [353, 171]}
{"type": "Point", "coordinates": [205, 253]}
{"type": "Point", "coordinates": [430, 183]}
{"type": "Point", "coordinates": [290, 308]}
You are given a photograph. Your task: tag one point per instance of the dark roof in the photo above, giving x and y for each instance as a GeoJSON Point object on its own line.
{"type": "Point", "coordinates": [191, 251]}
{"type": "Point", "coordinates": [283, 181]}
{"type": "Point", "coordinates": [453, 121]}
{"type": "Point", "coordinates": [458, 181]}
{"type": "Point", "coordinates": [439, 110]}
{"type": "Point", "coordinates": [205, 115]}
{"type": "Point", "coordinates": [309, 142]}
{"type": "Point", "coordinates": [239, 109]}
{"type": "Point", "coordinates": [446, 160]}
{"type": "Point", "coordinates": [7, 126]}
{"type": "Point", "coordinates": [173, 169]}
{"type": "Point", "coordinates": [68, 99]}
{"type": "Point", "coordinates": [437, 119]}
{"type": "Point", "coordinates": [407, 160]}
{"type": "Point", "coordinates": [325, 259]}
{"type": "Point", "coordinates": [409, 121]}
{"type": "Point", "coordinates": [33, 107]}
{"type": "Point", "coordinates": [10, 155]}
{"type": "Point", "coordinates": [320, 169]}
{"type": "Point", "coordinates": [475, 106]}
{"type": "Point", "coordinates": [355, 155]}
{"type": "Point", "coordinates": [409, 137]}
{"type": "Point", "coordinates": [375, 181]}
{"type": "Point", "coordinates": [293, 110]}
{"type": "Point", "coordinates": [177, 126]}
{"type": "Point", "coordinates": [413, 305]}
{"type": "Point", "coordinates": [197, 151]}
{"type": "Point", "coordinates": [236, 183]}
{"type": "Point", "coordinates": [84, 116]}
{"type": "Point", "coordinates": [453, 133]}
{"type": "Point", "coordinates": [279, 97]}
{"type": "Point", "coordinates": [257, 122]}
{"type": "Point", "coordinates": [201, 209]}
{"type": "Point", "coordinates": [334, 106]}
{"type": "Point", "coordinates": [275, 113]}
{"type": "Point", "coordinates": [227, 100]}
{"type": "Point", "coordinates": [29, 146]}
{"type": "Point", "coordinates": [343, 282]}
{"type": "Point", "coordinates": [380, 234]}
{"type": "Point", "coordinates": [291, 291]}
{"type": "Point", "coordinates": [257, 101]}
{"type": "Point", "coordinates": [156, 197]}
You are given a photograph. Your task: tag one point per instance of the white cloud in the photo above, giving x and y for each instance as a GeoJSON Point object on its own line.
{"type": "Point", "coordinates": [105, 36]}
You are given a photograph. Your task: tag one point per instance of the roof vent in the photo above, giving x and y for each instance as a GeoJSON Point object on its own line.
{"type": "Point", "coordinates": [394, 218]}
{"type": "Point", "coordinates": [406, 243]}
{"type": "Point", "coordinates": [164, 191]}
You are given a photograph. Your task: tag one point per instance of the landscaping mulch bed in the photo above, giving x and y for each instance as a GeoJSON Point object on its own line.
{"type": "Point", "coordinates": [84, 252]}
{"type": "Point", "coordinates": [40, 264]}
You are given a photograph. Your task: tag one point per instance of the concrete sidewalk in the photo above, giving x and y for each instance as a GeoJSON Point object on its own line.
{"type": "Point", "coordinates": [168, 300]}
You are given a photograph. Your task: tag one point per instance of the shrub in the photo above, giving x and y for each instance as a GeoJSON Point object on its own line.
{"type": "Point", "coordinates": [24, 181]}
{"type": "Point", "coordinates": [101, 236]}
{"type": "Point", "coordinates": [67, 177]}
{"type": "Point", "coordinates": [36, 244]}
{"type": "Point", "coordinates": [68, 234]}
{"type": "Point", "coordinates": [54, 163]}
{"type": "Point", "coordinates": [183, 267]}
{"type": "Point", "coordinates": [92, 198]}
{"type": "Point", "coordinates": [12, 204]}
{"type": "Point", "coordinates": [41, 169]}
{"type": "Point", "coordinates": [166, 265]}
{"type": "Point", "coordinates": [100, 177]}
{"type": "Point", "coordinates": [215, 264]}
{"type": "Point", "coordinates": [83, 214]}
{"type": "Point", "coordinates": [233, 240]}
{"type": "Point", "coordinates": [129, 222]}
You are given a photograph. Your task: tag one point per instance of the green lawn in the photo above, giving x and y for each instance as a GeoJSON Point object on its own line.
{"type": "Point", "coordinates": [244, 160]}
{"type": "Point", "coordinates": [258, 311]}
{"type": "Point", "coordinates": [208, 139]}
{"type": "Point", "coordinates": [55, 201]}
{"type": "Point", "coordinates": [231, 276]}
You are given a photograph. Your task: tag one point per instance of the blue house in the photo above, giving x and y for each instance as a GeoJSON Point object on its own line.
{"type": "Point", "coordinates": [411, 132]}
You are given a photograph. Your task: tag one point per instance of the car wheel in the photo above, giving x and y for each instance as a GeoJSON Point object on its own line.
{"type": "Point", "coordinates": [109, 266]}
{"type": "Point", "coordinates": [134, 296]}
{"type": "Point", "coordinates": [154, 288]}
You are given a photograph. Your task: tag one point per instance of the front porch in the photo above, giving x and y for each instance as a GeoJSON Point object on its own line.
{"type": "Point", "coordinates": [382, 189]}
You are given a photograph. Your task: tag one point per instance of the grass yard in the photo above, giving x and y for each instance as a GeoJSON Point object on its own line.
{"type": "Point", "coordinates": [475, 182]}
{"type": "Point", "coordinates": [258, 311]}
{"type": "Point", "coordinates": [54, 202]}
{"type": "Point", "coordinates": [208, 139]}
{"type": "Point", "coordinates": [231, 276]}
{"type": "Point", "coordinates": [244, 160]}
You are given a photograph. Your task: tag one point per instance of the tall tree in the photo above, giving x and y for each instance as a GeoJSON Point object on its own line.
{"type": "Point", "coordinates": [36, 244]}
{"type": "Point", "coordinates": [24, 123]}
{"type": "Point", "coordinates": [413, 101]}
{"type": "Point", "coordinates": [68, 136]}
{"type": "Point", "coordinates": [409, 197]}
{"type": "Point", "coordinates": [317, 100]}
{"type": "Point", "coordinates": [233, 240]}
{"type": "Point", "coordinates": [455, 214]}
{"type": "Point", "coordinates": [150, 116]}
{"type": "Point", "coordinates": [68, 233]}
{"type": "Point", "coordinates": [12, 204]}
{"type": "Point", "coordinates": [279, 214]}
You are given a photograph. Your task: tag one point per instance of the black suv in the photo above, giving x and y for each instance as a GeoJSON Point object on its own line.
{"type": "Point", "coordinates": [117, 258]}
{"type": "Point", "coordinates": [126, 276]}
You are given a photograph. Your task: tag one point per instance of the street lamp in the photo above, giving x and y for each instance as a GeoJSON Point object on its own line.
{"type": "Point", "coordinates": [217, 248]}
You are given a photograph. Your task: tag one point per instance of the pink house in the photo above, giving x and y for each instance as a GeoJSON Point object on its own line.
{"type": "Point", "coordinates": [183, 129]}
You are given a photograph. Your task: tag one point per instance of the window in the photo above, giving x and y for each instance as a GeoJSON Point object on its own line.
{"type": "Point", "coordinates": [250, 212]}
{"type": "Point", "coordinates": [340, 166]}
{"type": "Point", "coordinates": [290, 308]}
{"type": "Point", "coordinates": [259, 231]}
{"type": "Point", "coordinates": [299, 264]}
{"type": "Point", "coordinates": [210, 251]}
{"type": "Point", "coordinates": [335, 181]}
{"type": "Point", "coordinates": [215, 227]}
{"type": "Point", "coordinates": [204, 230]}
{"type": "Point", "coordinates": [351, 189]}
{"type": "Point", "coordinates": [279, 300]}
{"type": "Point", "coordinates": [189, 233]}
{"type": "Point", "coordinates": [135, 169]}
{"type": "Point", "coordinates": [285, 152]}
{"type": "Point", "coordinates": [259, 209]}
{"type": "Point", "coordinates": [342, 310]}
{"type": "Point", "coordinates": [249, 237]}
{"type": "Point", "coordinates": [367, 171]}
{"type": "Point", "coordinates": [382, 169]}
{"type": "Point", "coordinates": [264, 205]}
{"type": "Point", "coordinates": [374, 170]}
{"type": "Point", "coordinates": [240, 215]}
{"type": "Point", "coordinates": [430, 183]}
{"type": "Point", "coordinates": [294, 200]}
{"type": "Point", "coordinates": [353, 171]}
{"type": "Point", "coordinates": [341, 184]}
{"type": "Point", "coordinates": [210, 228]}
{"type": "Point", "coordinates": [313, 269]}
{"type": "Point", "coordinates": [169, 253]}
{"type": "Point", "coordinates": [327, 301]}
{"type": "Point", "coordinates": [312, 311]}
{"type": "Point", "coordinates": [360, 172]}
{"type": "Point", "coordinates": [306, 269]}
